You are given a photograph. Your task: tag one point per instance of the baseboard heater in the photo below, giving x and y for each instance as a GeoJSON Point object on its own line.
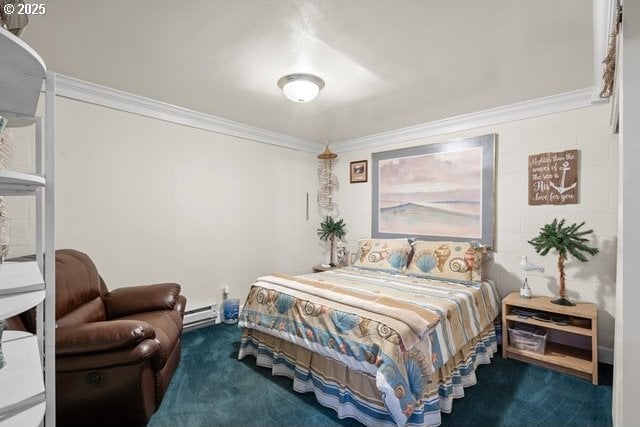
{"type": "Point", "coordinates": [200, 316]}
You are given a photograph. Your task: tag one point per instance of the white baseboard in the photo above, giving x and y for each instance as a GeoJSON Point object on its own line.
{"type": "Point", "coordinates": [605, 355]}
{"type": "Point", "coordinates": [201, 315]}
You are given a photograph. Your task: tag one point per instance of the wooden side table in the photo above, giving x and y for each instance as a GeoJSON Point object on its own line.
{"type": "Point", "coordinates": [562, 357]}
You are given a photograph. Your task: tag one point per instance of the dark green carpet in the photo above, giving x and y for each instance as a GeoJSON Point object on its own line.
{"type": "Point", "coordinates": [212, 388]}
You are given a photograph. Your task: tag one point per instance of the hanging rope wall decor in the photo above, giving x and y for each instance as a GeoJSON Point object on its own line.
{"type": "Point", "coordinates": [327, 181]}
{"type": "Point", "coordinates": [11, 16]}
{"type": "Point", "coordinates": [609, 73]}
{"type": "Point", "coordinates": [5, 156]}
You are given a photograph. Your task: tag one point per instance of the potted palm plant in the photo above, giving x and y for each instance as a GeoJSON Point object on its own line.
{"type": "Point", "coordinates": [331, 230]}
{"type": "Point", "coordinates": [565, 240]}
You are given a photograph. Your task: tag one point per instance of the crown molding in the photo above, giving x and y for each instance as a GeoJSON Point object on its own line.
{"type": "Point", "coordinates": [80, 90]}
{"type": "Point", "coordinates": [522, 110]}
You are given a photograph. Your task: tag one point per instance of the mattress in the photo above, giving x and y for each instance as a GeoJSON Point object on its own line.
{"type": "Point", "coordinates": [414, 343]}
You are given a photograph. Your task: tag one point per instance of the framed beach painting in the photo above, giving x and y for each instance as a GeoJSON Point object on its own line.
{"type": "Point", "coordinates": [439, 191]}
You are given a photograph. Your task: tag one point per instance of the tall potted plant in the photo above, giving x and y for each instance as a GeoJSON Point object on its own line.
{"type": "Point", "coordinates": [331, 230]}
{"type": "Point", "coordinates": [565, 240]}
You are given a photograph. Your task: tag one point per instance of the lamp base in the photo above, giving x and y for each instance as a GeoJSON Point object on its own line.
{"type": "Point", "coordinates": [563, 301]}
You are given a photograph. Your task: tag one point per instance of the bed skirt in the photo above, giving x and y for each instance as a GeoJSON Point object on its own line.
{"type": "Point", "coordinates": [354, 394]}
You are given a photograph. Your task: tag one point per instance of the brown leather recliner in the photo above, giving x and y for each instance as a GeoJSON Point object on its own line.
{"type": "Point", "coordinates": [115, 351]}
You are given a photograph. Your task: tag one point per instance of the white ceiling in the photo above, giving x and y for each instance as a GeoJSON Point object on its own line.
{"type": "Point", "coordinates": [386, 64]}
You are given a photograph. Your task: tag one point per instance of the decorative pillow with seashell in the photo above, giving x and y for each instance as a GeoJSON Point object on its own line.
{"type": "Point", "coordinates": [383, 254]}
{"type": "Point", "coordinates": [458, 261]}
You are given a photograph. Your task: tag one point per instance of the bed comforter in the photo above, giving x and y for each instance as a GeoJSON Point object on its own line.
{"type": "Point", "coordinates": [398, 329]}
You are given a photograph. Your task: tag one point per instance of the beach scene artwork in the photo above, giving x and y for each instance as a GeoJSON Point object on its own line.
{"type": "Point", "coordinates": [435, 194]}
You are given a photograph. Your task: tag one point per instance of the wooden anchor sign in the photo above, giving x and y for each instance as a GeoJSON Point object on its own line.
{"type": "Point", "coordinates": [562, 189]}
{"type": "Point", "coordinates": [553, 178]}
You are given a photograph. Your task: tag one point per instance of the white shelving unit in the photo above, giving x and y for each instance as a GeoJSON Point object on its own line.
{"type": "Point", "coordinates": [21, 354]}
{"type": "Point", "coordinates": [27, 381]}
{"type": "Point", "coordinates": [18, 183]}
{"type": "Point", "coordinates": [19, 277]}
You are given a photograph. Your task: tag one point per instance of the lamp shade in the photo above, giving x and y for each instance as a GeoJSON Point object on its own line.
{"type": "Point", "coordinates": [301, 87]}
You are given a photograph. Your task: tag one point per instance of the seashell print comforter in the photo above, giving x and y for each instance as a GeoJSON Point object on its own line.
{"type": "Point", "coordinates": [397, 328]}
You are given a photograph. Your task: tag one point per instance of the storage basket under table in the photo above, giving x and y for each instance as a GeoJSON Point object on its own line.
{"type": "Point", "coordinates": [530, 339]}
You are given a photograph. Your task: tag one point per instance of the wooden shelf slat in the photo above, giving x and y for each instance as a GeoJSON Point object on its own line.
{"type": "Point", "coordinates": [585, 310]}
{"type": "Point", "coordinates": [561, 355]}
{"type": "Point", "coordinates": [550, 325]}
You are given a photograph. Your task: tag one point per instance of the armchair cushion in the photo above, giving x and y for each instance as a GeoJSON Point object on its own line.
{"type": "Point", "coordinates": [101, 336]}
{"type": "Point", "coordinates": [139, 299]}
{"type": "Point", "coordinates": [77, 281]}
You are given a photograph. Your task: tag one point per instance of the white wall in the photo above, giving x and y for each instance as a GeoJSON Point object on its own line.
{"type": "Point", "coordinates": [152, 201]}
{"type": "Point", "coordinates": [156, 201]}
{"type": "Point", "coordinates": [516, 222]}
{"type": "Point", "coordinates": [626, 410]}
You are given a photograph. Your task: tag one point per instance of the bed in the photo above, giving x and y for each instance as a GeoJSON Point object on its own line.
{"type": "Point", "coordinates": [390, 341]}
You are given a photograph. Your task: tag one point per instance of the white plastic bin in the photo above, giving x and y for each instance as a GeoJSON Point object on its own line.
{"type": "Point", "coordinates": [530, 339]}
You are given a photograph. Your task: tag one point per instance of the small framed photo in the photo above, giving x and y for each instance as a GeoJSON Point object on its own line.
{"type": "Point", "coordinates": [358, 171]}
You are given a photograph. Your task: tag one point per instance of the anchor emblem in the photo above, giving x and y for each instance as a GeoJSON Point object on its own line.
{"type": "Point", "coordinates": [562, 189]}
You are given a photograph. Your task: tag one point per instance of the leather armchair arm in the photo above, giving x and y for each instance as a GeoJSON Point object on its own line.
{"type": "Point", "coordinates": [96, 337]}
{"type": "Point", "coordinates": [180, 305]}
{"type": "Point", "coordinates": [138, 299]}
{"type": "Point", "coordinates": [146, 349]}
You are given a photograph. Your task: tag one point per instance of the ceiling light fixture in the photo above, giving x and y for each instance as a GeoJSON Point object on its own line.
{"type": "Point", "coordinates": [301, 87]}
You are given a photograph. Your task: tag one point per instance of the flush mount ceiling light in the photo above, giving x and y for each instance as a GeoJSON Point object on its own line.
{"type": "Point", "coordinates": [301, 87]}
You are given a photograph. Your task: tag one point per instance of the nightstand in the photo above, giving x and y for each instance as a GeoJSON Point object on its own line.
{"type": "Point", "coordinates": [569, 358]}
